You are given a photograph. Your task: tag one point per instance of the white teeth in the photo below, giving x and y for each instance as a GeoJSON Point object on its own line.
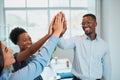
{"type": "Point", "coordinates": [87, 29]}
{"type": "Point", "coordinates": [28, 46]}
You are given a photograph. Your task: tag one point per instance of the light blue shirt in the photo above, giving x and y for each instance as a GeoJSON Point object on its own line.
{"type": "Point", "coordinates": [36, 66]}
{"type": "Point", "coordinates": [91, 57]}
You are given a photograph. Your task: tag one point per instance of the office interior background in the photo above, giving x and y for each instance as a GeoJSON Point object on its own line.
{"type": "Point", "coordinates": [35, 16]}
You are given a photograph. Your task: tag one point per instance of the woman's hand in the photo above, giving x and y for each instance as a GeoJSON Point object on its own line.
{"type": "Point", "coordinates": [58, 24]}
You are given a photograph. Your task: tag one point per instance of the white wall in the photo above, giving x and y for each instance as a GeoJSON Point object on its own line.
{"type": "Point", "coordinates": [111, 32]}
{"type": "Point", "coordinates": [2, 37]}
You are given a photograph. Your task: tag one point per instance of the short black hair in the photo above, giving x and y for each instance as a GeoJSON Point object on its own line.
{"type": "Point", "coordinates": [91, 15]}
{"type": "Point", "coordinates": [1, 59]}
{"type": "Point", "coordinates": [15, 34]}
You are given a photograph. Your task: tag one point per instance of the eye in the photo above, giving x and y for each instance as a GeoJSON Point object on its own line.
{"type": "Point", "coordinates": [88, 22]}
{"type": "Point", "coordinates": [6, 49]}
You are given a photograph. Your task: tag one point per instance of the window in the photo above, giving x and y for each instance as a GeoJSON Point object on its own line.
{"type": "Point", "coordinates": [35, 15]}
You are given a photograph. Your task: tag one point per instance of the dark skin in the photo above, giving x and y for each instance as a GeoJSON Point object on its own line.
{"type": "Point", "coordinates": [87, 22]}
{"type": "Point", "coordinates": [25, 43]}
{"type": "Point", "coordinates": [89, 25]}
{"type": "Point", "coordinates": [55, 29]}
{"type": "Point", "coordinates": [64, 26]}
{"type": "Point", "coordinates": [27, 48]}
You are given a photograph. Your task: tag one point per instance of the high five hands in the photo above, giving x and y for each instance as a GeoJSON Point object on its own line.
{"type": "Point", "coordinates": [58, 25]}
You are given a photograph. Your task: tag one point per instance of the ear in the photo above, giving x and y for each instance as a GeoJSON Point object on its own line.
{"type": "Point", "coordinates": [18, 43]}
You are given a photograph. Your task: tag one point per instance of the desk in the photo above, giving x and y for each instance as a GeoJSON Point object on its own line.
{"type": "Point", "coordinates": [50, 72]}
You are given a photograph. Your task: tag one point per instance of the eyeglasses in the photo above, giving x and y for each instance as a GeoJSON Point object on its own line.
{"type": "Point", "coordinates": [87, 23]}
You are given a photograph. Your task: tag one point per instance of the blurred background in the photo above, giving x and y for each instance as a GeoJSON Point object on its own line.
{"type": "Point", "coordinates": [35, 16]}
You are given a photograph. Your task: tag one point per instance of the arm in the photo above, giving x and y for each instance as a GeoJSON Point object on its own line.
{"type": "Point", "coordinates": [66, 43]}
{"type": "Point", "coordinates": [31, 50]}
{"type": "Point", "coordinates": [34, 47]}
{"type": "Point", "coordinates": [37, 65]}
{"type": "Point", "coordinates": [64, 26]}
{"type": "Point", "coordinates": [107, 66]}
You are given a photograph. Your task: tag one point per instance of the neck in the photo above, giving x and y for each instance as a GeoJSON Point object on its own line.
{"type": "Point", "coordinates": [92, 36]}
{"type": "Point", "coordinates": [21, 50]}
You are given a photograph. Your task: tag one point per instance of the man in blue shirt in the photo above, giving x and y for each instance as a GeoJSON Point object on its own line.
{"type": "Point", "coordinates": [36, 66]}
{"type": "Point", "coordinates": [91, 54]}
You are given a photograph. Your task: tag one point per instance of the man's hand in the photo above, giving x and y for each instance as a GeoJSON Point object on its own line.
{"type": "Point", "coordinates": [64, 26]}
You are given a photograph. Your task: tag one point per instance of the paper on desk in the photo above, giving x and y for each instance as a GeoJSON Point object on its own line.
{"type": "Point", "coordinates": [60, 66]}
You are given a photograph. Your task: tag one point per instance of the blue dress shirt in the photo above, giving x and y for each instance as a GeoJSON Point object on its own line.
{"type": "Point", "coordinates": [19, 65]}
{"type": "Point", "coordinates": [36, 66]}
{"type": "Point", "coordinates": [91, 57]}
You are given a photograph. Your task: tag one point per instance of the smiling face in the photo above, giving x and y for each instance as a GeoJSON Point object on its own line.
{"type": "Point", "coordinates": [8, 56]}
{"type": "Point", "coordinates": [24, 41]}
{"type": "Point", "coordinates": [88, 25]}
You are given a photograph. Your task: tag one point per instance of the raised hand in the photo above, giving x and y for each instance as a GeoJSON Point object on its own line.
{"type": "Point", "coordinates": [50, 31]}
{"type": "Point", "coordinates": [58, 24]}
{"type": "Point", "coordinates": [64, 26]}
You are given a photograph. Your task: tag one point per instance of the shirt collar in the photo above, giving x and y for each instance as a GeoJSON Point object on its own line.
{"type": "Point", "coordinates": [87, 37]}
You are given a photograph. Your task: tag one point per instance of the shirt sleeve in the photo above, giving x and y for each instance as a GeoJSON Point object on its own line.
{"type": "Point", "coordinates": [107, 66]}
{"type": "Point", "coordinates": [36, 66]}
{"type": "Point", "coordinates": [16, 65]}
{"type": "Point", "coordinates": [66, 43]}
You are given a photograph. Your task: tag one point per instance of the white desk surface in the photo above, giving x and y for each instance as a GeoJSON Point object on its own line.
{"type": "Point", "coordinates": [50, 71]}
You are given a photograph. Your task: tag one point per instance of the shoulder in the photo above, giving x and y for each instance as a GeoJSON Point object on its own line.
{"type": "Point", "coordinates": [103, 43]}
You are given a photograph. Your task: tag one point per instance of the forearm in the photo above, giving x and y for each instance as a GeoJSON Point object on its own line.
{"type": "Point", "coordinates": [36, 46]}
{"type": "Point", "coordinates": [37, 65]}
{"type": "Point", "coordinates": [31, 50]}
{"type": "Point", "coordinates": [57, 29]}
